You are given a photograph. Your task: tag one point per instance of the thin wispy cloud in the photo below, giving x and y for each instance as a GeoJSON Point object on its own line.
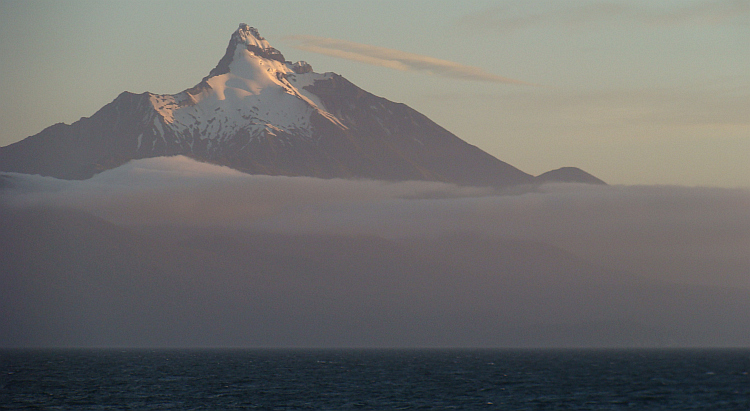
{"type": "Point", "coordinates": [708, 107]}
{"type": "Point", "coordinates": [395, 59]}
{"type": "Point", "coordinates": [507, 18]}
{"type": "Point", "coordinates": [702, 13]}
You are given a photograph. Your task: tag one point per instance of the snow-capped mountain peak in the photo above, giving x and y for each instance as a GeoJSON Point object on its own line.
{"type": "Point", "coordinates": [259, 113]}
{"type": "Point", "coordinates": [250, 37]}
{"type": "Point", "coordinates": [252, 91]}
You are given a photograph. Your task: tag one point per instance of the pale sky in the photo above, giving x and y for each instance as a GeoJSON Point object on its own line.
{"type": "Point", "coordinates": [634, 92]}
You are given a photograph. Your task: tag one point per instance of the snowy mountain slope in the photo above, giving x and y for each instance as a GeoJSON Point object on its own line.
{"type": "Point", "coordinates": [247, 92]}
{"type": "Point", "coordinates": [260, 114]}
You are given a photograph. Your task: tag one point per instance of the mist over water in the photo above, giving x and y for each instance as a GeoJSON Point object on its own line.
{"type": "Point", "coordinates": [666, 232]}
{"type": "Point", "coordinates": [297, 261]}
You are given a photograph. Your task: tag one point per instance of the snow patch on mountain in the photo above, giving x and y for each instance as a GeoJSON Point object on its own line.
{"type": "Point", "coordinates": [259, 94]}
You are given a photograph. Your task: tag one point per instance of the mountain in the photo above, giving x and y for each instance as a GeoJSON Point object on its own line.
{"type": "Point", "coordinates": [568, 175]}
{"type": "Point", "coordinates": [260, 114]}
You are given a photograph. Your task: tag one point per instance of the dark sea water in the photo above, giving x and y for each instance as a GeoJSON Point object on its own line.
{"type": "Point", "coordinates": [377, 380]}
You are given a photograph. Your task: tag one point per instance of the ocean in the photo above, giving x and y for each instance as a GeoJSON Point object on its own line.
{"type": "Point", "coordinates": [375, 379]}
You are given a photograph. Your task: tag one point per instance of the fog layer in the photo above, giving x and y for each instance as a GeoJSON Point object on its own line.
{"type": "Point", "coordinates": [685, 234]}
{"type": "Point", "coordinates": [171, 252]}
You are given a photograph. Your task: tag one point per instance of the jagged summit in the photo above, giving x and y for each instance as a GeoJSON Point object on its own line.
{"type": "Point", "coordinates": [252, 91]}
{"type": "Point", "coordinates": [261, 114]}
{"type": "Point", "coordinates": [249, 38]}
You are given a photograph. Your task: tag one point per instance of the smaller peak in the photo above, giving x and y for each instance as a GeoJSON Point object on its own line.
{"type": "Point", "coordinates": [302, 67]}
{"type": "Point", "coordinates": [568, 175]}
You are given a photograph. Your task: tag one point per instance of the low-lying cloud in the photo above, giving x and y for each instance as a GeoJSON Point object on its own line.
{"type": "Point", "coordinates": [685, 234]}
{"type": "Point", "coordinates": [205, 256]}
{"type": "Point", "coordinates": [395, 59]}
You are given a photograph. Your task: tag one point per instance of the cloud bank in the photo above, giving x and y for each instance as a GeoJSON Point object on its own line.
{"type": "Point", "coordinates": [205, 256]}
{"type": "Point", "coordinates": [395, 59]}
{"type": "Point", "coordinates": [692, 235]}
